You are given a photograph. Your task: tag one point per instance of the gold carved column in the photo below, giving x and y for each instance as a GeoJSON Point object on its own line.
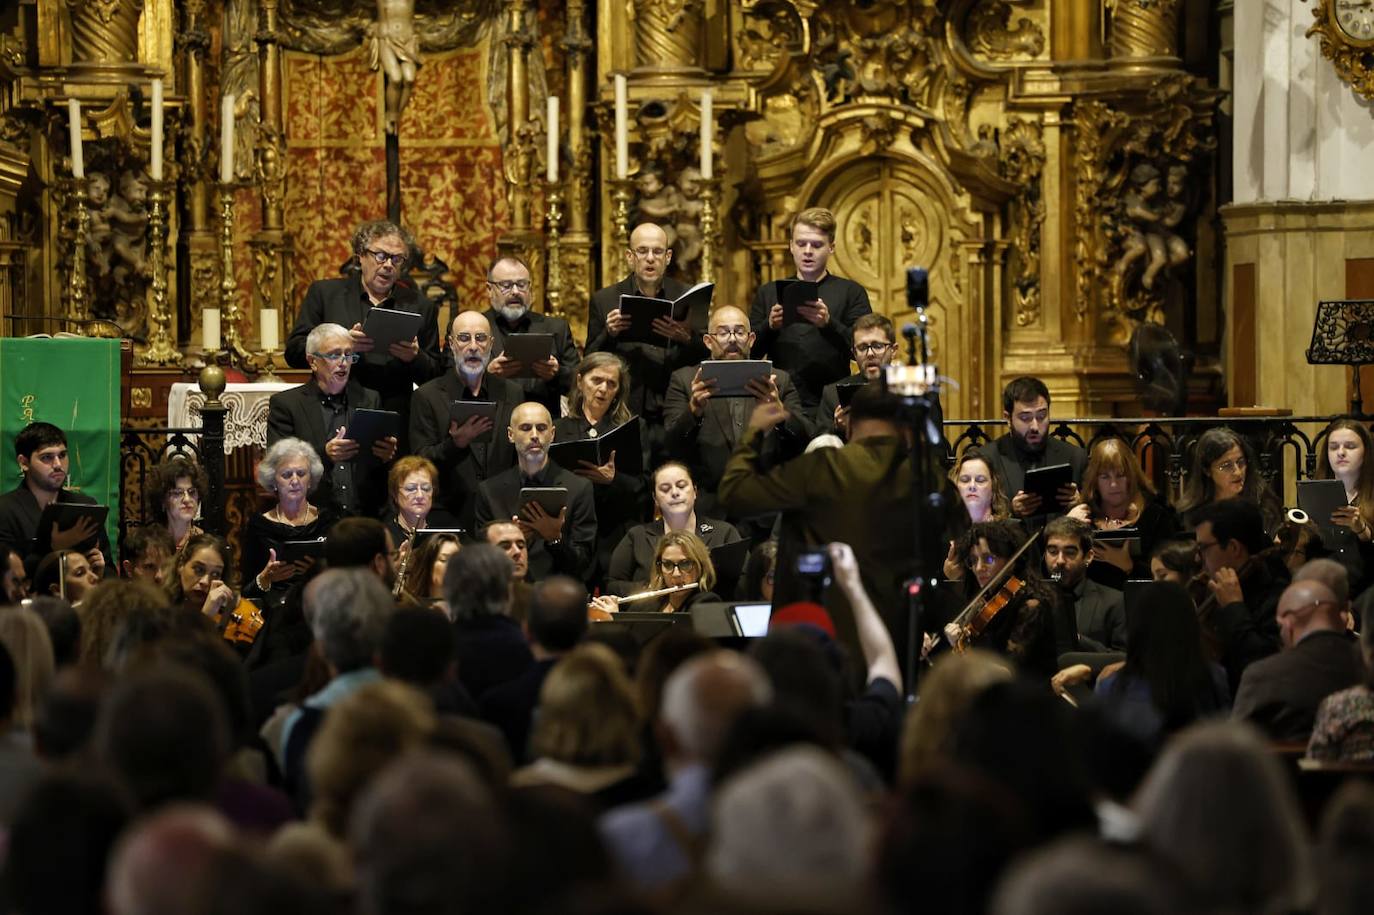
{"type": "Point", "coordinates": [198, 253]}
{"type": "Point", "coordinates": [271, 246]}
{"type": "Point", "coordinates": [520, 151]}
{"type": "Point", "coordinates": [577, 245]}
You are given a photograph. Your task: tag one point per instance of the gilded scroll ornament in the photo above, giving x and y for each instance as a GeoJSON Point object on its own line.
{"type": "Point", "coordinates": [1351, 55]}
{"type": "Point", "coordinates": [1023, 161]}
{"type": "Point", "coordinates": [1143, 28]}
{"type": "Point", "coordinates": [990, 33]}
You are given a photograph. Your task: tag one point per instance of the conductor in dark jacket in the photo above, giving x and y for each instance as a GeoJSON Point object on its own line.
{"type": "Point", "coordinates": [477, 449]}
{"type": "Point", "coordinates": [319, 413]}
{"type": "Point", "coordinates": [382, 250]}
{"type": "Point", "coordinates": [814, 350]}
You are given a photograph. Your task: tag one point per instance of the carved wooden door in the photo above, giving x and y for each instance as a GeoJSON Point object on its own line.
{"type": "Point", "coordinates": [892, 215]}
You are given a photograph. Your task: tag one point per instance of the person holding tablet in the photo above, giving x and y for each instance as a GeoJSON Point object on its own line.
{"type": "Point", "coordinates": [41, 450]}
{"type": "Point", "coordinates": [1028, 446]}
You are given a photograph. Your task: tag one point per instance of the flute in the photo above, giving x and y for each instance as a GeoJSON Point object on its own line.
{"type": "Point", "coordinates": [659, 593]}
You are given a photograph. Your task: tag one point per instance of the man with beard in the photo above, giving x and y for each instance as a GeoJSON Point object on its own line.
{"type": "Point", "coordinates": [557, 543]}
{"type": "Point", "coordinates": [41, 450]}
{"type": "Point", "coordinates": [816, 349]}
{"type": "Point", "coordinates": [1090, 610]}
{"type": "Point", "coordinates": [702, 431]}
{"type": "Point", "coordinates": [1026, 407]}
{"type": "Point", "coordinates": [508, 284]}
{"type": "Point", "coordinates": [382, 250]}
{"type": "Point", "coordinates": [875, 345]}
{"type": "Point", "coordinates": [466, 453]}
{"type": "Point", "coordinates": [319, 412]}
{"type": "Point", "coordinates": [651, 365]}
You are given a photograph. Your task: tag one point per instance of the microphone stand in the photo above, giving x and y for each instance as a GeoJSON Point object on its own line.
{"type": "Point", "coordinates": [916, 383]}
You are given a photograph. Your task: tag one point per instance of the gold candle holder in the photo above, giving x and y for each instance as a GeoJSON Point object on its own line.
{"type": "Point", "coordinates": [160, 349]}
{"type": "Point", "coordinates": [232, 350]}
{"type": "Point", "coordinates": [620, 213]}
{"type": "Point", "coordinates": [77, 302]}
{"type": "Point", "coordinates": [710, 229]}
{"type": "Point", "coordinates": [553, 224]}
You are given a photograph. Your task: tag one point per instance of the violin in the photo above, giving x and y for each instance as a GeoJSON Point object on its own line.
{"type": "Point", "coordinates": [974, 619]}
{"type": "Point", "coordinates": [243, 623]}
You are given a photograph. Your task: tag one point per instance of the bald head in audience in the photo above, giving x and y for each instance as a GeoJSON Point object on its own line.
{"type": "Point", "coordinates": [1330, 573]}
{"type": "Point", "coordinates": [1306, 607]}
{"type": "Point", "coordinates": [702, 699]}
{"type": "Point", "coordinates": [161, 865]}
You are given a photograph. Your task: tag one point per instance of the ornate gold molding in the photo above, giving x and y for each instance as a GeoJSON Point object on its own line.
{"type": "Point", "coordinates": [1023, 160]}
{"type": "Point", "coordinates": [991, 35]}
{"type": "Point", "coordinates": [1354, 61]}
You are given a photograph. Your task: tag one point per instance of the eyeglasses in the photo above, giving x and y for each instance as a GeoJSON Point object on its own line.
{"type": "Point", "coordinates": [986, 562]}
{"type": "Point", "coordinates": [508, 285]}
{"type": "Point", "coordinates": [411, 489]}
{"type": "Point", "coordinates": [191, 493]}
{"type": "Point", "coordinates": [466, 338]}
{"type": "Point", "coordinates": [728, 333]}
{"type": "Point", "coordinates": [874, 348]}
{"type": "Point", "coordinates": [685, 566]}
{"type": "Point", "coordinates": [1231, 466]}
{"type": "Point", "coordinates": [386, 257]}
{"type": "Point", "coordinates": [1205, 545]}
{"type": "Point", "coordinates": [650, 252]}
{"type": "Point", "coordinates": [350, 358]}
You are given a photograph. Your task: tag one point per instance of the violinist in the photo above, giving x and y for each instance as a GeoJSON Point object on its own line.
{"type": "Point", "coordinates": [1023, 629]}
{"type": "Point", "coordinates": [1245, 584]}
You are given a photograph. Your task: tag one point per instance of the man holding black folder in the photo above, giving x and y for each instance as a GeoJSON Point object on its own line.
{"type": "Point", "coordinates": [809, 337]}
{"type": "Point", "coordinates": [41, 449]}
{"type": "Point", "coordinates": [1028, 446]}
{"type": "Point", "coordinates": [545, 380]}
{"type": "Point", "coordinates": [320, 413]}
{"type": "Point", "coordinates": [476, 448]}
{"type": "Point", "coordinates": [382, 250]}
{"type": "Point", "coordinates": [651, 365]}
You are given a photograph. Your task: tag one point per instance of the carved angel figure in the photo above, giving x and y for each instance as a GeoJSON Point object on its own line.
{"type": "Point", "coordinates": [659, 202]}
{"type": "Point", "coordinates": [396, 49]}
{"type": "Point", "coordinates": [1141, 221]}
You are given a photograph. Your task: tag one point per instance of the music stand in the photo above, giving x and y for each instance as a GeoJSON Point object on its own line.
{"type": "Point", "coordinates": [1343, 334]}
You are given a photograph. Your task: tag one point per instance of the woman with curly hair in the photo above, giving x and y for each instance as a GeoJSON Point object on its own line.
{"type": "Point", "coordinates": [1224, 467]}
{"type": "Point", "coordinates": [172, 495]}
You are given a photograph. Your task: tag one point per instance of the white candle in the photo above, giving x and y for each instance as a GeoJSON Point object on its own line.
{"type": "Point", "coordinates": [209, 326]}
{"type": "Point", "coordinates": [708, 129]}
{"type": "Point", "coordinates": [267, 329]}
{"type": "Point", "coordinates": [226, 140]}
{"type": "Point", "coordinates": [155, 159]}
{"type": "Point", "coordinates": [553, 140]}
{"type": "Point", "coordinates": [622, 128]}
{"type": "Point", "coordinates": [74, 115]}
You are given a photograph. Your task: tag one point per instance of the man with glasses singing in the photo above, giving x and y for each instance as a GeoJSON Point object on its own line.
{"type": "Point", "coordinates": [381, 250]}
{"type": "Point", "coordinates": [469, 452]}
{"type": "Point", "coordinates": [651, 365]}
{"type": "Point", "coordinates": [318, 413]}
{"type": "Point", "coordinates": [702, 431]}
{"type": "Point", "coordinates": [875, 345]}
{"type": "Point", "coordinates": [508, 285]}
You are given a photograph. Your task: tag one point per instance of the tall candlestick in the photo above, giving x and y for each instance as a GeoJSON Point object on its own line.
{"type": "Point", "coordinates": [226, 140]}
{"type": "Point", "coordinates": [155, 158]}
{"type": "Point", "coordinates": [267, 329]}
{"type": "Point", "coordinates": [708, 129]}
{"type": "Point", "coordinates": [622, 128]}
{"type": "Point", "coordinates": [74, 115]}
{"type": "Point", "coordinates": [552, 166]}
{"type": "Point", "coordinates": [209, 324]}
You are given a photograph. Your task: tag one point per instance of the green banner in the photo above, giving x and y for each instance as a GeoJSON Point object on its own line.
{"type": "Point", "coordinates": [73, 384]}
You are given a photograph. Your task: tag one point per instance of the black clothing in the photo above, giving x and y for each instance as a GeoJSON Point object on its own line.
{"type": "Point", "coordinates": [262, 534]}
{"type": "Point", "coordinates": [564, 349]}
{"type": "Point", "coordinates": [815, 356]}
{"type": "Point", "coordinates": [490, 650]}
{"type": "Point", "coordinates": [437, 519]}
{"type": "Point", "coordinates": [1012, 462]}
{"type": "Point", "coordinates": [511, 705]}
{"type": "Point", "coordinates": [619, 504]}
{"type": "Point", "coordinates": [296, 413]}
{"type": "Point", "coordinates": [461, 470]}
{"type": "Point", "coordinates": [1099, 613]}
{"type": "Point", "coordinates": [1280, 694]}
{"type": "Point", "coordinates": [499, 497]}
{"type": "Point", "coordinates": [824, 421]}
{"type": "Point", "coordinates": [19, 514]}
{"type": "Point", "coordinates": [632, 563]}
{"type": "Point", "coordinates": [1246, 630]}
{"type": "Point", "coordinates": [343, 301]}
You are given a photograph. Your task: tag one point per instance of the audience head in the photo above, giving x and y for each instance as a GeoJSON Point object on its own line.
{"type": "Point", "coordinates": [727, 333]}
{"type": "Point", "coordinates": [601, 385]}
{"type": "Point", "coordinates": [425, 574]}
{"type": "Point", "coordinates": [1345, 856]}
{"type": "Point", "coordinates": [1165, 651]}
{"type": "Point", "coordinates": [1229, 532]}
{"type": "Point", "coordinates": [508, 285]}
{"type": "Point", "coordinates": [348, 611]}
{"type": "Point", "coordinates": [1218, 807]}
{"type": "Point", "coordinates": [1114, 480]}
{"type": "Point", "coordinates": [760, 571]}
{"type": "Point", "coordinates": [811, 239]}
{"type": "Point", "coordinates": [67, 720]}
{"type": "Point", "coordinates": [173, 491]}
{"type": "Point", "coordinates": [791, 830]}
{"type": "Point", "coordinates": [290, 470]}
{"type": "Point", "coordinates": [66, 574]}
{"type": "Point", "coordinates": [417, 647]}
{"type": "Point", "coordinates": [148, 550]}
{"type": "Point", "coordinates": [330, 355]}
{"type": "Point", "coordinates": [510, 539]}
{"type": "Point", "coordinates": [163, 732]}
{"type": "Point", "coordinates": [588, 715]}
{"type": "Point", "coordinates": [1330, 573]}
{"type": "Point", "coordinates": [680, 557]}
{"type": "Point", "coordinates": [1306, 607]}
{"type": "Point", "coordinates": [805, 672]}
{"type": "Point", "coordinates": [1068, 550]}
{"type": "Point", "coordinates": [946, 692]}
{"type": "Point", "coordinates": [531, 432]}
{"type": "Point", "coordinates": [14, 579]}
{"type": "Point", "coordinates": [413, 484]}
{"type": "Point", "coordinates": [470, 341]}
{"type": "Point", "coordinates": [1026, 407]}
{"type": "Point", "coordinates": [648, 255]}
{"type": "Point", "coordinates": [162, 864]}
{"type": "Point", "coordinates": [702, 699]}
{"type": "Point", "coordinates": [202, 563]}
{"type": "Point", "coordinates": [979, 486]}
{"type": "Point", "coordinates": [875, 412]}
{"type": "Point", "coordinates": [41, 450]}
{"type": "Point", "coordinates": [477, 583]}
{"type": "Point", "coordinates": [364, 731]}
{"type": "Point", "coordinates": [674, 492]}
{"type": "Point", "coordinates": [557, 618]}
{"type": "Point", "coordinates": [1085, 876]}
{"type": "Point", "coordinates": [1176, 561]}
{"type": "Point", "coordinates": [24, 636]}
{"type": "Point", "coordinates": [659, 660]}
{"type": "Point", "coordinates": [361, 543]}
{"type": "Point", "coordinates": [63, 625]}
{"type": "Point", "coordinates": [105, 610]}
